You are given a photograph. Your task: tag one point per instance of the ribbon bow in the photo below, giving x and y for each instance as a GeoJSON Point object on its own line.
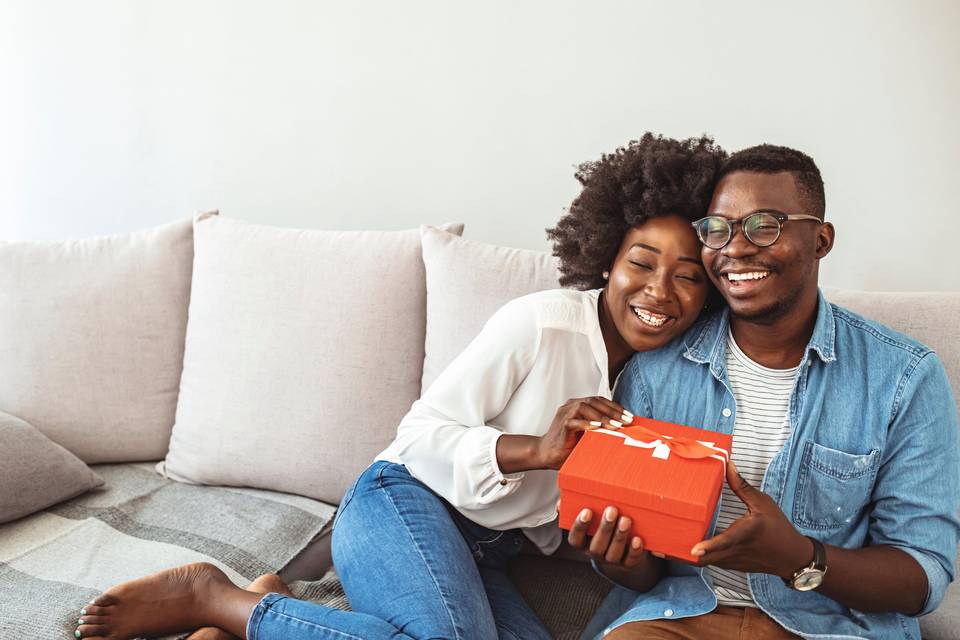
{"type": "Point", "coordinates": [662, 445]}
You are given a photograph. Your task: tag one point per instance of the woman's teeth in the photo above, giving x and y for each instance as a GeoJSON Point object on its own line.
{"type": "Point", "coordinates": [652, 319]}
{"type": "Point", "coordinates": [753, 275]}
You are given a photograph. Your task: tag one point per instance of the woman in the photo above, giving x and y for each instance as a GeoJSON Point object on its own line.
{"type": "Point", "coordinates": [424, 536]}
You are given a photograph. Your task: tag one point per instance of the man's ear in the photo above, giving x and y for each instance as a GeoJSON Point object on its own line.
{"type": "Point", "coordinates": [825, 238]}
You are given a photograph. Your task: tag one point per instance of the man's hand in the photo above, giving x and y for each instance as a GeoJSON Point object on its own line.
{"type": "Point", "coordinates": [763, 540]}
{"type": "Point", "coordinates": [620, 556]}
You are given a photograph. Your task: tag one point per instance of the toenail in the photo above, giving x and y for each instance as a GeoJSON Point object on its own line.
{"type": "Point", "coordinates": [80, 621]}
{"type": "Point", "coordinates": [83, 612]}
{"type": "Point", "coordinates": [77, 633]}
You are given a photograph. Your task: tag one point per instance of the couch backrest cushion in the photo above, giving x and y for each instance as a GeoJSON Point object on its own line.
{"type": "Point", "coordinates": [304, 350]}
{"type": "Point", "coordinates": [467, 281]}
{"type": "Point", "coordinates": [91, 339]}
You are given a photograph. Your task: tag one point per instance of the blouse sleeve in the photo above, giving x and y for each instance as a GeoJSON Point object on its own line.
{"type": "Point", "coordinates": [446, 440]}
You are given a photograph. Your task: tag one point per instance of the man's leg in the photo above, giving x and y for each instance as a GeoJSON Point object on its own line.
{"type": "Point", "coordinates": [724, 623]}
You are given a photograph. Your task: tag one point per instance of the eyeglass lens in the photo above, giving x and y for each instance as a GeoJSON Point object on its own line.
{"type": "Point", "coordinates": [761, 229]}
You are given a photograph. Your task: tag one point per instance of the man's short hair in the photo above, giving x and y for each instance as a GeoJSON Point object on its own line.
{"type": "Point", "coordinates": [769, 158]}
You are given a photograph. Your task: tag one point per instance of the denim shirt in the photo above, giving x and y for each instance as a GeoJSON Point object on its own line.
{"type": "Point", "coordinates": [872, 459]}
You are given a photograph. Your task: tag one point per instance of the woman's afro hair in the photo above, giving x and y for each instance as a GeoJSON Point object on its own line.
{"type": "Point", "coordinates": [653, 176]}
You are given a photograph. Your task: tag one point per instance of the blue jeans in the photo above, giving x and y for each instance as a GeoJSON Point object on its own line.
{"type": "Point", "coordinates": [412, 568]}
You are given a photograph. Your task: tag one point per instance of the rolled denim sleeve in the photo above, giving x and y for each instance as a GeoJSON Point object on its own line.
{"type": "Point", "coordinates": [917, 493]}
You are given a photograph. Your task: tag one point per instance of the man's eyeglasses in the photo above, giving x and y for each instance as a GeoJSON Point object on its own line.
{"type": "Point", "coordinates": [762, 228]}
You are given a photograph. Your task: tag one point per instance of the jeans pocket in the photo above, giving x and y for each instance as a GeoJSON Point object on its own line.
{"type": "Point", "coordinates": [498, 549]}
{"type": "Point", "coordinates": [833, 486]}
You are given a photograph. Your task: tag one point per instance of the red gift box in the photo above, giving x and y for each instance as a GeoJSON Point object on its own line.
{"type": "Point", "coordinates": [665, 477]}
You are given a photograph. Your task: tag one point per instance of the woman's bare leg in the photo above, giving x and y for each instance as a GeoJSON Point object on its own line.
{"type": "Point", "coordinates": [269, 583]}
{"type": "Point", "coordinates": [172, 601]}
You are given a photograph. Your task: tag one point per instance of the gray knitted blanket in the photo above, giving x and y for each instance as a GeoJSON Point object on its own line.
{"type": "Point", "coordinates": [53, 562]}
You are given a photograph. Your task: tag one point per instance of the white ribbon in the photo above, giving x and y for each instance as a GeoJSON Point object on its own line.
{"type": "Point", "coordinates": [660, 449]}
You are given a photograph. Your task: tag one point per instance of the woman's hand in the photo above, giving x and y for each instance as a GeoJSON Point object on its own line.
{"type": "Point", "coordinates": [618, 555]}
{"type": "Point", "coordinates": [571, 420]}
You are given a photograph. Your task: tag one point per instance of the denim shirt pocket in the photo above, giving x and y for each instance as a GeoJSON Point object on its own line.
{"type": "Point", "coordinates": [833, 486]}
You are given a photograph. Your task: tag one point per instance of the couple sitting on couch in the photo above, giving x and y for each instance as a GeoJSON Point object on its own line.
{"type": "Point", "coordinates": [839, 518]}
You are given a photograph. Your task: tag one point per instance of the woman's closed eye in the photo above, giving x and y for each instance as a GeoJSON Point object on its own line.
{"type": "Point", "coordinates": [642, 265]}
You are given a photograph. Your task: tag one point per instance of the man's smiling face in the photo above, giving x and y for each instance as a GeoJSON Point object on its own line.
{"type": "Point", "coordinates": [763, 284]}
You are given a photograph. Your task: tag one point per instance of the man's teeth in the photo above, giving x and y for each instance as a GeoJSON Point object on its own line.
{"type": "Point", "coordinates": [753, 275]}
{"type": "Point", "coordinates": [650, 318]}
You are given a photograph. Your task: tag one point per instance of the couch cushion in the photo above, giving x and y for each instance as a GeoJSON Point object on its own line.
{"type": "Point", "coordinates": [304, 350]}
{"type": "Point", "coordinates": [467, 281]}
{"type": "Point", "coordinates": [36, 472]}
{"type": "Point", "coordinates": [91, 339]}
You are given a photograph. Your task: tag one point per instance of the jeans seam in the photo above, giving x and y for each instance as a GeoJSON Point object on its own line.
{"type": "Point", "coordinates": [416, 545]}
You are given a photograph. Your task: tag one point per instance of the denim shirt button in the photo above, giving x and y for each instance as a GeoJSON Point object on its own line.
{"type": "Point", "coordinates": [726, 412]}
{"type": "Point", "coordinates": [668, 612]}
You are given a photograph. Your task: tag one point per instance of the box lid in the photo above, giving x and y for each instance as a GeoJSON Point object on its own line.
{"type": "Point", "coordinates": [623, 467]}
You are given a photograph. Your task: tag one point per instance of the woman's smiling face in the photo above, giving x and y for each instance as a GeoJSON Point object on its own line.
{"type": "Point", "coordinates": [657, 285]}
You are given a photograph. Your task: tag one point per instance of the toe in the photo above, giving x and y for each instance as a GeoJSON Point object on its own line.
{"type": "Point", "coordinates": [92, 620]}
{"type": "Point", "coordinates": [104, 600]}
{"type": "Point", "coordinates": [90, 631]}
{"type": "Point", "coordinates": [94, 610]}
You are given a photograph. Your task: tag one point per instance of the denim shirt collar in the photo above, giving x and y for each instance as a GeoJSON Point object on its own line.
{"type": "Point", "coordinates": [706, 342]}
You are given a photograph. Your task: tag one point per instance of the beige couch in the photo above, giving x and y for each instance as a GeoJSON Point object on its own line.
{"type": "Point", "coordinates": [280, 360]}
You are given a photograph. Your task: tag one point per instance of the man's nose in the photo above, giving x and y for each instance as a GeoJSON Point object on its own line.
{"type": "Point", "coordinates": [739, 246]}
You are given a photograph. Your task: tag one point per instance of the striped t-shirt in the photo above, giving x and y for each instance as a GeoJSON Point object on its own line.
{"type": "Point", "coordinates": [759, 432]}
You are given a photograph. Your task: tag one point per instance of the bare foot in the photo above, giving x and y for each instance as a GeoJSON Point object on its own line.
{"type": "Point", "coordinates": [171, 601]}
{"type": "Point", "coordinates": [268, 583]}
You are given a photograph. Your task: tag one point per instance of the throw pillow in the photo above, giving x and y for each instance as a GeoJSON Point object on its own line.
{"type": "Point", "coordinates": [91, 339]}
{"type": "Point", "coordinates": [467, 281]}
{"type": "Point", "coordinates": [304, 350]}
{"type": "Point", "coordinates": [36, 472]}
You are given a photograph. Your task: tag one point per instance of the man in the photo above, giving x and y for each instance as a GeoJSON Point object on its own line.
{"type": "Point", "coordinates": [840, 515]}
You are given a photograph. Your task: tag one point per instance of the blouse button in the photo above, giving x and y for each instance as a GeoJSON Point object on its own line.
{"type": "Point", "coordinates": [726, 412]}
{"type": "Point", "coordinates": [503, 483]}
{"type": "Point", "coordinates": [668, 612]}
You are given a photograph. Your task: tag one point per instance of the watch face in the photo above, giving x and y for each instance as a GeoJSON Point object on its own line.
{"type": "Point", "coordinates": [808, 580]}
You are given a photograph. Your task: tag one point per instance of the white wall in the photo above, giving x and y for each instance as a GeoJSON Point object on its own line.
{"type": "Point", "coordinates": [120, 114]}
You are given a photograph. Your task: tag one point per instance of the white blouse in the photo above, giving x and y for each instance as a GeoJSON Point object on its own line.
{"type": "Point", "coordinates": [533, 355]}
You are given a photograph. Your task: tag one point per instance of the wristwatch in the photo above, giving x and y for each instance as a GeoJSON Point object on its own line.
{"type": "Point", "coordinates": [811, 576]}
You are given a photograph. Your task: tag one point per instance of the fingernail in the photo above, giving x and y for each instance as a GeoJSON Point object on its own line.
{"type": "Point", "coordinates": [636, 543]}
{"type": "Point", "coordinates": [616, 424]}
{"type": "Point", "coordinates": [624, 524]}
{"type": "Point", "coordinates": [627, 416]}
{"type": "Point", "coordinates": [659, 555]}
{"type": "Point", "coordinates": [696, 551]}
{"type": "Point", "coordinates": [585, 515]}
{"type": "Point", "coordinates": [594, 423]}
{"type": "Point", "coordinates": [610, 514]}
